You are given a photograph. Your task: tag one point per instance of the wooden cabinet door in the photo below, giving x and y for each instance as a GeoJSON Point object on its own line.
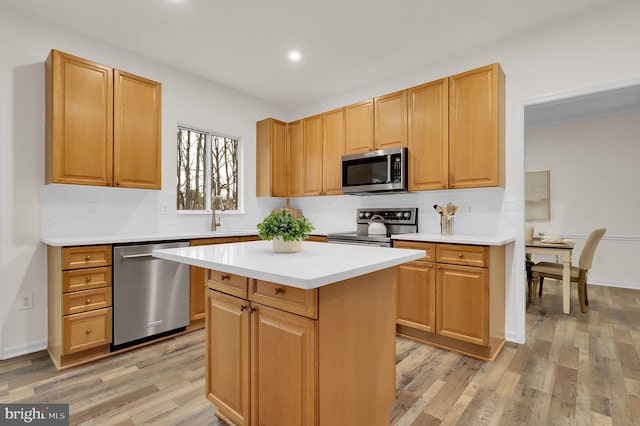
{"type": "Point", "coordinates": [333, 135]}
{"type": "Point", "coordinates": [284, 363]}
{"type": "Point", "coordinates": [416, 291]}
{"type": "Point", "coordinates": [359, 127]}
{"type": "Point", "coordinates": [79, 136]}
{"type": "Point", "coordinates": [476, 128]}
{"type": "Point", "coordinates": [462, 305]}
{"type": "Point", "coordinates": [137, 137]}
{"type": "Point", "coordinates": [312, 153]}
{"type": "Point", "coordinates": [391, 120]}
{"type": "Point", "coordinates": [428, 136]}
{"type": "Point", "coordinates": [296, 158]}
{"type": "Point", "coordinates": [272, 159]}
{"type": "Point", "coordinates": [228, 356]}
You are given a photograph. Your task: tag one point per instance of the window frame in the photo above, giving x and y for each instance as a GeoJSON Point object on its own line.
{"type": "Point", "coordinates": [208, 144]}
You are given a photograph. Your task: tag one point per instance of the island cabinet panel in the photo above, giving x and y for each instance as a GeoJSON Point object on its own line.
{"type": "Point", "coordinates": [198, 283]}
{"type": "Point", "coordinates": [284, 363]}
{"type": "Point", "coordinates": [103, 125]}
{"type": "Point", "coordinates": [312, 155]}
{"type": "Point", "coordinates": [390, 120]}
{"type": "Point", "coordinates": [335, 365]}
{"type": "Point", "coordinates": [359, 127]}
{"type": "Point", "coordinates": [296, 159]}
{"type": "Point", "coordinates": [454, 297]}
{"type": "Point", "coordinates": [476, 128]}
{"type": "Point", "coordinates": [428, 136]}
{"type": "Point", "coordinates": [333, 146]}
{"type": "Point", "coordinates": [227, 378]}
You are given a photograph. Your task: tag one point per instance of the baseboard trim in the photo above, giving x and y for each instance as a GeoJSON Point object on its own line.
{"type": "Point", "coordinates": [29, 348]}
{"type": "Point", "coordinates": [619, 284]}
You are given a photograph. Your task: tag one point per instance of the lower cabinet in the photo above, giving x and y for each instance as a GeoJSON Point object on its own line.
{"type": "Point", "coordinates": [266, 368]}
{"type": "Point", "coordinates": [453, 297]}
{"type": "Point", "coordinates": [279, 355]}
{"type": "Point", "coordinates": [79, 303]}
{"type": "Point", "coordinates": [198, 281]}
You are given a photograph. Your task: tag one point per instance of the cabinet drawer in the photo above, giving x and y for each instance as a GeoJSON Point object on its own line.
{"type": "Point", "coordinates": [86, 257]}
{"type": "Point", "coordinates": [87, 330]}
{"type": "Point", "coordinates": [235, 285]}
{"type": "Point", "coordinates": [457, 254]}
{"type": "Point", "coordinates": [290, 299]}
{"type": "Point", "coordinates": [88, 300]}
{"type": "Point", "coordinates": [85, 279]}
{"type": "Point", "coordinates": [430, 248]}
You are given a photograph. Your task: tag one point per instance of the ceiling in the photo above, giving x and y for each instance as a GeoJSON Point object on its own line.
{"type": "Point", "coordinates": [345, 44]}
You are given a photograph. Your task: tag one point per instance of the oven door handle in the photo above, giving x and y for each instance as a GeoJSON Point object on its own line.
{"type": "Point", "coordinates": [360, 243]}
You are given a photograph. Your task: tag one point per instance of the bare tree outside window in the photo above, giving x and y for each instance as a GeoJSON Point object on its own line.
{"type": "Point", "coordinates": [199, 176]}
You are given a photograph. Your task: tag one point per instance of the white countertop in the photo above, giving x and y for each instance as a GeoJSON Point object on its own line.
{"type": "Point", "coordinates": [85, 240]}
{"type": "Point", "coordinates": [318, 264]}
{"type": "Point", "coordinates": [484, 240]}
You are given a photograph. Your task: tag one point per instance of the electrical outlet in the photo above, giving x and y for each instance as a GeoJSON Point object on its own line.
{"type": "Point", "coordinates": [164, 209]}
{"type": "Point", "coordinates": [25, 301]}
{"type": "Point", "coordinates": [91, 207]}
{"type": "Point", "coordinates": [469, 209]}
{"type": "Point", "coordinates": [599, 260]}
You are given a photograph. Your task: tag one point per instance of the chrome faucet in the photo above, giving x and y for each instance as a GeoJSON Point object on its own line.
{"type": "Point", "coordinates": [215, 222]}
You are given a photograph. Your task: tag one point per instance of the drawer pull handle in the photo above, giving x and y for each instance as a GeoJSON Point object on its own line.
{"type": "Point", "coordinates": [88, 279]}
{"type": "Point", "coordinates": [87, 258]}
{"type": "Point", "coordinates": [89, 331]}
{"type": "Point", "coordinates": [277, 290]}
{"type": "Point", "coordinates": [88, 301]}
{"type": "Point", "coordinates": [224, 277]}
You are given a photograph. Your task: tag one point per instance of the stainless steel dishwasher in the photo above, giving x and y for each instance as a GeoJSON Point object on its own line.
{"type": "Point", "coordinates": [150, 295]}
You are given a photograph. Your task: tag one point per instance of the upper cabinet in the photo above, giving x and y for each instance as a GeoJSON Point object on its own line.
{"type": "Point", "coordinates": [453, 128]}
{"type": "Point", "coordinates": [271, 158]}
{"type": "Point", "coordinates": [294, 144]}
{"type": "Point", "coordinates": [428, 136]}
{"type": "Point", "coordinates": [103, 125]}
{"type": "Point", "coordinates": [476, 128]}
{"type": "Point", "coordinates": [359, 127]}
{"type": "Point", "coordinates": [391, 120]}
{"type": "Point", "coordinates": [333, 145]}
{"type": "Point", "coordinates": [312, 154]}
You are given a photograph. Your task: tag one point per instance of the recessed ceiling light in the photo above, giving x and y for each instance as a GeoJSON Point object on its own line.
{"type": "Point", "coordinates": [294, 56]}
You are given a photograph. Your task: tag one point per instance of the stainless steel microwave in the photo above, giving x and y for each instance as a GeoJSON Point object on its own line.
{"type": "Point", "coordinates": [379, 171]}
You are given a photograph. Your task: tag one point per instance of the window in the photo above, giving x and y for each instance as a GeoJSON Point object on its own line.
{"type": "Point", "coordinates": [207, 166]}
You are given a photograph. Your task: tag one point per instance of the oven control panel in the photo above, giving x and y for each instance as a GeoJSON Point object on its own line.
{"type": "Point", "coordinates": [389, 215]}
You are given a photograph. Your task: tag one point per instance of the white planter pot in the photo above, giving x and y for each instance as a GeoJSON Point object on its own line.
{"type": "Point", "coordinates": [281, 246]}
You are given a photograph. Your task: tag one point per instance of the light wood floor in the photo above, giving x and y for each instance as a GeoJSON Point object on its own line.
{"type": "Point", "coordinates": [576, 369]}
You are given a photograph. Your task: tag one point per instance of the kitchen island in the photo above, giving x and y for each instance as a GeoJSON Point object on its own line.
{"type": "Point", "coordinates": [299, 338]}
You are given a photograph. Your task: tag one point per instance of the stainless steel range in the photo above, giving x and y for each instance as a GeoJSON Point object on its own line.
{"type": "Point", "coordinates": [396, 220]}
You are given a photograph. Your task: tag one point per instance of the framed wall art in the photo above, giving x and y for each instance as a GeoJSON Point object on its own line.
{"type": "Point", "coordinates": [537, 195]}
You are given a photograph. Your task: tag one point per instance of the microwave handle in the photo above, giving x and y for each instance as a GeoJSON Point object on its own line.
{"type": "Point", "coordinates": [389, 166]}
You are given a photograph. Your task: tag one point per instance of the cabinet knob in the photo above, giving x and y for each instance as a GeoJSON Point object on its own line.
{"type": "Point", "coordinates": [88, 279]}
{"type": "Point", "coordinates": [243, 308]}
{"type": "Point", "coordinates": [277, 290]}
{"type": "Point", "coordinates": [252, 310]}
{"type": "Point", "coordinates": [88, 301]}
{"type": "Point", "coordinates": [460, 255]}
{"type": "Point", "coordinates": [224, 277]}
{"type": "Point", "coordinates": [87, 258]}
{"type": "Point", "coordinates": [89, 331]}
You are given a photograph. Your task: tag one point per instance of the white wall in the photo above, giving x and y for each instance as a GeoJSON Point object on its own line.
{"type": "Point", "coordinates": [586, 51]}
{"type": "Point", "coordinates": [593, 165]}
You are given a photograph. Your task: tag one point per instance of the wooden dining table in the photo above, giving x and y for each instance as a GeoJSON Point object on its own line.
{"type": "Point", "coordinates": [562, 250]}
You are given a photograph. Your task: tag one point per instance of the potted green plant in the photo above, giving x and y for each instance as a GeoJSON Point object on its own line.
{"type": "Point", "coordinates": [286, 231]}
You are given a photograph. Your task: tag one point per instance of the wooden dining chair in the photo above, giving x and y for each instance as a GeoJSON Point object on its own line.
{"type": "Point", "coordinates": [578, 273]}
